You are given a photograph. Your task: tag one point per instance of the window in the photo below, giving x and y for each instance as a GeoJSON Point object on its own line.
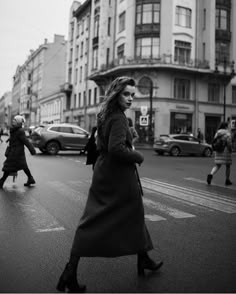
{"type": "Point", "coordinates": [89, 98]}
{"type": "Point", "coordinates": [204, 19]}
{"type": "Point", "coordinates": [182, 51]}
{"type": "Point", "coordinates": [96, 26]}
{"type": "Point", "coordinates": [80, 74]}
{"type": "Point", "coordinates": [222, 19]}
{"type": "Point", "coordinates": [78, 131]}
{"type": "Point", "coordinates": [122, 21]}
{"type": "Point", "coordinates": [213, 92]}
{"type": "Point", "coordinates": [148, 13]}
{"type": "Point", "coordinates": [95, 58]}
{"type": "Point", "coordinates": [121, 51]}
{"type": "Point", "coordinates": [82, 49]}
{"type": "Point", "coordinates": [148, 47]}
{"type": "Point", "coordinates": [76, 76]}
{"type": "Point", "coordinates": [182, 89]}
{"type": "Point", "coordinates": [109, 26]}
{"type": "Point", "coordinates": [203, 51]}
{"type": "Point", "coordinates": [67, 130]}
{"type": "Point", "coordinates": [233, 94]}
{"type": "Point", "coordinates": [183, 17]}
{"type": "Point", "coordinates": [95, 95]}
{"type": "Point", "coordinates": [107, 56]}
{"type": "Point", "coordinates": [222, 51]}
{"type": "Point", "coordinates": [79, 99]}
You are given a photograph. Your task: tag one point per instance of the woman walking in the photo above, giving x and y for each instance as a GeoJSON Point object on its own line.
{"type": "Point", "coordinates": [16, 159]}
{"type": "Point", "coordinates": [113, 220]}
{"type": "Point", "coordinates": [225, 156]}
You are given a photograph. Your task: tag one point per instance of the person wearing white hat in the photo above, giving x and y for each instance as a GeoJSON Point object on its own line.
{"type": "Point", "coordinates": [15, 154]}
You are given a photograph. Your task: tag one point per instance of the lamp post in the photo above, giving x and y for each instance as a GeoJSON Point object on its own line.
{"type": "Point", "coordinates": [226, 76]}
{"type": "Point", "coordinates": [224, 106]}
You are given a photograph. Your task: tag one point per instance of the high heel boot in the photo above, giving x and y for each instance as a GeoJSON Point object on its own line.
{"type": "Point", "coordinates": [69, 282]}
{"type": "Point", "coordinates": [145, 262]}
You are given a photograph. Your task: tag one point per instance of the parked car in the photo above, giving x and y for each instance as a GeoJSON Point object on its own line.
{"type": "Point", "coordinates": [55, 137]}
{"type": "Point", "coordinates": [178, 144]}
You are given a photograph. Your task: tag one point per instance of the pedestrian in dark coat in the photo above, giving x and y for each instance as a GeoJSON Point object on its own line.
{"type": "Point", "coordinates": [91, 148]}
{"type": "Point", "coordinates": [113, 220]}
{"type": "Point", "coordinates": [15, 152]}
{"type": "Point", "coordinates": [224, 157]}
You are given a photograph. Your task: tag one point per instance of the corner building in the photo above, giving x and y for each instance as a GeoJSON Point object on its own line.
{"type": "Point", "coordinates": [180, 52]}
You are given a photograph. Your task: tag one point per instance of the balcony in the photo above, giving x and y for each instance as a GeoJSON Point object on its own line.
{"type": "Point", "coordinates": [66, 88]}
{"type": "Point", "coordinates": [145, 29]}
{"type": "Point", "coordinates": [165, 61]}
{"type": "Point", "coordinates": [223, 35]}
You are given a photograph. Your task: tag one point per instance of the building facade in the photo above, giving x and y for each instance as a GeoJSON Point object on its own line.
{"type": "Point", "coordinates": [180, 52]}
{"type": "Point", "coordinates": [40, 76]}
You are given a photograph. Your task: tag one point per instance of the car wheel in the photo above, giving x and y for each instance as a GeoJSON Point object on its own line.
{"type": "Point", "coordinates": [52, 148]}
{"type": "Point", "coordinates": [207, 152]}
{"type": "Point", "coordinates": [175, 151]}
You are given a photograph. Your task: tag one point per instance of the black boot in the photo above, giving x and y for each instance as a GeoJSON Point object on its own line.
{"type": "Point", "coordinates": [145, 262]}
{"type": "Point", "coordinates": [30, 181]}
{"type": "Point", "coordinates": [69, 282]}
{"type": "Point", "coordinates": [228, 182]}
{"type": "Point", "coordinates": [1, 184]}
{"type": "Point", "coordinates": [209, 179]}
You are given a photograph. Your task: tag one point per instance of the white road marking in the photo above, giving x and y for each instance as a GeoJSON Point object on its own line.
{"type": "Point", "coordinates": [66, 190]}
{"type": "Point", "coordinates": [154, 217]}
{"type": "Point", "coordinates": [212, 184]}
{"type": "Point", "coordinates": [166, 209]}
{"type": "Point", "coordinates": [211, 200]}
{"type": "Point", "coordinates": [37, 216]}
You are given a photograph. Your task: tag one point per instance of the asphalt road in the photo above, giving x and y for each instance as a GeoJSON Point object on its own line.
{"type": "Point", "coordinates": [192, 226]}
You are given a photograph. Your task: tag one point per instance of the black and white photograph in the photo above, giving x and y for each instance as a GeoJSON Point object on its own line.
{"type": "Point", "coordinates": [118, 146]}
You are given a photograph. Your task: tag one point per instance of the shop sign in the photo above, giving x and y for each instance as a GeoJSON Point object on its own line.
{"type": "Point", "coordinates": [143, 120]}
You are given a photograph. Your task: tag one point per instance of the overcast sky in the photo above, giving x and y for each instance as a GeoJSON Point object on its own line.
{"type": "Point", "coordinates": [24, 24]}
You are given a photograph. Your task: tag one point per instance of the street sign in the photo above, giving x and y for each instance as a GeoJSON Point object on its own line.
{"type": "Point", "coordinates": [144, 109]}
{"type": "Point", "coordinates": [143, 120]}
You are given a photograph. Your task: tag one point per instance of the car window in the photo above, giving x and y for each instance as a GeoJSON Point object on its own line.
{"type": "Point", "coordinates": [55, 129]}
{"type": "Point", "coordinates": [78, 131]}
{"type": "Point", "coordinates": [65, 130]}
{"type": "Point", "coordinates": [192, 139]}
{"type": "Point", "coordinates": [181, 137]}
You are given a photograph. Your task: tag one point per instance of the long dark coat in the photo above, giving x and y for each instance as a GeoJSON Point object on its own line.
{"type": "Point", "coordinates": [16, 159]}
{"type": "Point", "coordinates": [113, 220]}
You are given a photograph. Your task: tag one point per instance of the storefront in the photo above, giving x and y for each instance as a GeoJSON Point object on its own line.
{"type": "Point", "coordinates": [181, 123]}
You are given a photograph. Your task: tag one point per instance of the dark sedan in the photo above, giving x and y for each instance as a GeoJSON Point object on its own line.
{"type": "Point", "coordinates": [179, 144]}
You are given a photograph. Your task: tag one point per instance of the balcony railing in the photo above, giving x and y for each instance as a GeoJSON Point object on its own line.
{"type": "Point", "coordinates": [161, 61]}
{"type": "Point", "coordinates": [66, 88]}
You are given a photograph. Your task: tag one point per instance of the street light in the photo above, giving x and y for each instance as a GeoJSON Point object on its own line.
{"type": "Point", "coordinates": [226, 77]}
{"type": "Point", "coordinates": [148, 89]}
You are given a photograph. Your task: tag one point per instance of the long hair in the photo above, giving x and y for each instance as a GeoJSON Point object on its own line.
{"type": "Point", "coordinates": [111, 103]}
{"type": "Point", "coordinates": [223, 125]}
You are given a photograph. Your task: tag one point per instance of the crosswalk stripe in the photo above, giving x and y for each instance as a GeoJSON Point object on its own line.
{"type": "Point", "coordinates": [166, 209]}
{"type": "Point", "coordinates": [35, 214]}
{"type": "Point", "coordinates": [154, 217]}
{"type": "Point", "coordinates": [212, 184]}
{"type": "Point", "coordinates": [198, 197]}
{"type": "Point", "coordinates": [66, 190]}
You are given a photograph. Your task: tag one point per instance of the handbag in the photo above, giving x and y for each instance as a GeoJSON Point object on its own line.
{"type": "Point", "coordinates": [7, 151]}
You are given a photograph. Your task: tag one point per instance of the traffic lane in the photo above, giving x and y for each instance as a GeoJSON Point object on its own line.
{"type": "Point", "coordinates": [188, 171]}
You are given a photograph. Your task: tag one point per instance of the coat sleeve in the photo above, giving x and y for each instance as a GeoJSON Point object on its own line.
{"type": "Point", "coordinates": [26, 142]}
{"type": "Point", "coordinates": [117, 146]}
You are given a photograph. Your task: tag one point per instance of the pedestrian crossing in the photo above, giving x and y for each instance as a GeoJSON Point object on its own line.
{"type": "Point", "coordinates": [163, 201]}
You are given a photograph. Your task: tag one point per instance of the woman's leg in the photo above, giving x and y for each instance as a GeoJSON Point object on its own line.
{"type": "Point", "coordinates": [213, 171]}
{"type": "Point", "coordinates": [227, 175]}
{"type": "Point", "coordinates": [3, 178]}
{"type": "Point", "coordinates": [30, 177]}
